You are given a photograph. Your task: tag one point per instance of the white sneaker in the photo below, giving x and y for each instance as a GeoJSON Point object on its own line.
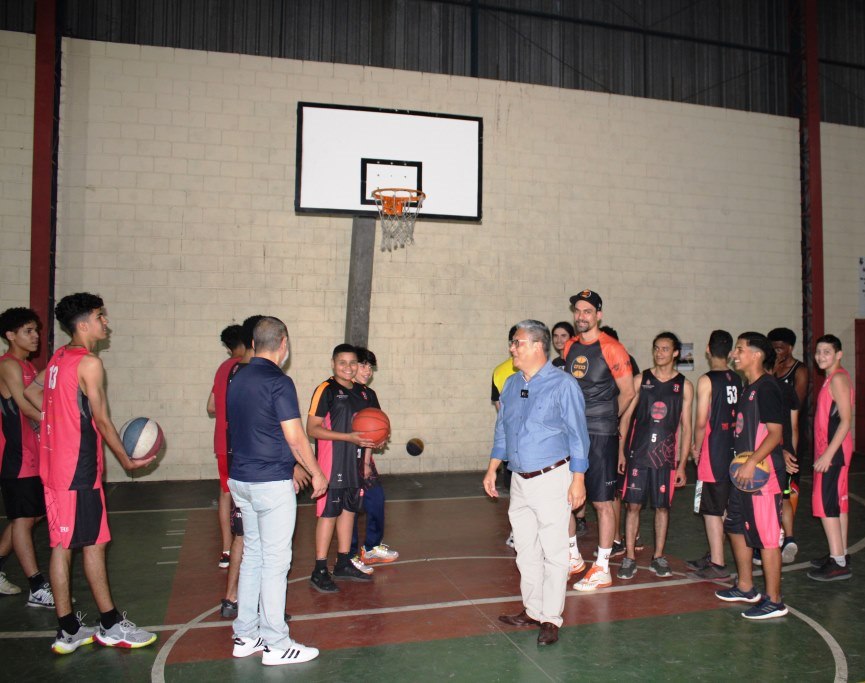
{"type": "Point", "coordinates": [7, 587]}
{"type": "Point", "coordinates": [296, 654]}
{"type": "Point", "coordinates": [381, 553]}
{"type": "Point", "coordinates": [577, 564]}
{"type": "Point", "coordinates": [788, 552]}
{"type": "Point", "coordinates": [594, 579]}
{"type": "Point", "coordinates": [243, 647]}
{"type": "Point", "coordinates": [41, 597]}
{"type": "Point", "coordinates": [360, 566]}
{"type": "Point", "coordinates": [65, 644]}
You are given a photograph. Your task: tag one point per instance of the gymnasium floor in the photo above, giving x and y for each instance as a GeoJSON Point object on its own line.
{"type": "Point", "coordinates": [432, 615]}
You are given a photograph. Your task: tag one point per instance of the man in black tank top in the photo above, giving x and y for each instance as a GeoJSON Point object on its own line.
{"type": "Point", "coordinates": [654, 454]}
{"type": "Point", "coordinates": [794, 374]}
{"type": "Point", "coordinates": [718, 393]}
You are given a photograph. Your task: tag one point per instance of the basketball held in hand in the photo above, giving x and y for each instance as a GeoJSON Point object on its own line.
{"type": "Point", "coordinates": [761, 473]}
{"type": "Point", "coordinates": [373, 424]}
{"type": "Point", "coordinates": [141, 437]}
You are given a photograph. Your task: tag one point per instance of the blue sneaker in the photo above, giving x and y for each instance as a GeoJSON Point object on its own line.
{"type": "Point", "coordinates": [734, 594]}
{"type": "Point", "coordinates": [766, 610]}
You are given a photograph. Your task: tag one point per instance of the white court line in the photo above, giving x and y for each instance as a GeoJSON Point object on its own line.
{"type": "Point", "coordinates": [837, 651]}
{"type": "Point", "coordinates": [171, 547]}
{"type": "Point", "coordinates": [167, 562]}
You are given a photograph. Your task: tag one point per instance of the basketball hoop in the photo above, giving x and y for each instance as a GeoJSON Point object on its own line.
{"type": "Point", "coordinates": [398, 208]}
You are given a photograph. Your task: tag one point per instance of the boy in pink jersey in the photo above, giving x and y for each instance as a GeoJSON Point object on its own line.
{"type": "Point", "coordinates": [22, 490]}
{"type": "Point", "coordinates": [75, 422]}
{"type": "Point", "coordinates": [833, 450]}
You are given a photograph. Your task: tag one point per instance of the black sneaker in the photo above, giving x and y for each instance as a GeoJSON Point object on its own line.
{"type": "Point", "coordinates": [582, 527]}
{"type": "Point", "coordinates": [228, 609]}
{"type": "Point", "coordinates": [700, 563]}
{"type": "Point", "coordinates": [322, 581]}
{"type": "Point", "coordinates": [831, 571]}
{"type": "Point", "coordinates": [350, 573]}
{"type": "Point", "coordinates": [818, 562]}
{"type": "Point", "coordinates": [618, 549]}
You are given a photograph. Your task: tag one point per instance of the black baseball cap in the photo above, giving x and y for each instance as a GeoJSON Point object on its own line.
{"type": "Point", "coordinates": [591, 297]}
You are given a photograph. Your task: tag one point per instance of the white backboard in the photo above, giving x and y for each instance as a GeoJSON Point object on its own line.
{"type": "Point", "coordinates": [344, 153]}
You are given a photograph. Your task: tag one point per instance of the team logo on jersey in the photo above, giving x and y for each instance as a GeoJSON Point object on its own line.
{"type": "Point", "coordinates": [752, 395]}
{"type": "Point", "coordinates": [580, 367]}
{"type": "Point", "coordinates": [658, 410]}
{"type": "Point", "coordinates": [663, 488]}
{"type": "Point", "coordinates": [676, 387]}
{"type": "Point", "coordinates": [635, 472]}
{"type": "Point", "coordinates": [363, 393]}
{"type": "Point", "coordinates": [740, 424]}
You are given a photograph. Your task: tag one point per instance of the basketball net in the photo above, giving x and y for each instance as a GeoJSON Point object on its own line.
{"type": "Point", "coordinates": [398, 209]}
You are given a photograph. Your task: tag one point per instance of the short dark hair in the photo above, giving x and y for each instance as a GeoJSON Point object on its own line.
{"type": "Point", "coordinates": [720, 344]}
{"type": "Point", "coordinates": [232, 337]}
{"type": "Point", "coordinates": [564, 325]}
{"type": "Point", "coordinates": [782, 334]}
{"type": "Point", "coordinates": [829, 339]}
{"type": "Point", "coordinates": [343, 348]}
{"type": "Point", "coordinates": [364, 355]}
{"type": "Point", "coordinates": [248, 328]}
{"type": "Point", "coordinates": [72, 308]}
{"type": "Point", "coordinates": [606, 329]}
{"type": "Point", "coordinates": [13, 319]}
{"type": "Point", "coordinates": [761, 342]}
{"type": "Point", "coordinates": [677, 345]}
{"type": "Point", "coordinates": [269, 333]}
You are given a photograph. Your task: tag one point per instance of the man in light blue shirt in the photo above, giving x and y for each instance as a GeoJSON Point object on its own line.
{"type": "Point", "coordinates": [541, 433]}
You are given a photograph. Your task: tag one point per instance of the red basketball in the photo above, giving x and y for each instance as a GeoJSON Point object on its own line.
{"type": "Point", "coordinates": [373, 424]}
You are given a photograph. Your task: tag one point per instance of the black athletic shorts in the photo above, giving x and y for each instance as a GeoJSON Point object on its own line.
{"type": "Point", "coordinates": [235, 520]}
{"type": "Point", "coordinates": [757, 516]}
{"type": "Point", "coordinates": [337, 500]}
{"type": "Point", "coordinates": [713, 499]}
{"type": "Point", "coordinates": [23, 497]}
{"type": "Point", "coordinates": [649, 485]}
{"type": "Point", "coordinates": [603, 469]}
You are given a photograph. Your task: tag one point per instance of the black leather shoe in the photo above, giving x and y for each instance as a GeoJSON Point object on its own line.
{"type": "Point", "coordinates": [549, 634]}
{"type": "Point", "coordinates": [521, 619]}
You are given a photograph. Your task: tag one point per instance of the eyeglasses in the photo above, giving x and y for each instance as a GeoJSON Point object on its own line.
{"type": "Point", "coordinates": [517, 342]}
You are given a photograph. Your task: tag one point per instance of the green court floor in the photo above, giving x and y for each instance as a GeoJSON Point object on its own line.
{"type": "Point", "coordinates": [432, 615]}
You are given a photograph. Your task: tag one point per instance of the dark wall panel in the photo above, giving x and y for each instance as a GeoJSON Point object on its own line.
{"type": "Point", "coordinates": [723, 53]}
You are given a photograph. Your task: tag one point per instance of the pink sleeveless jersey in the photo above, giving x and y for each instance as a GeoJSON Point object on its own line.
{"type": "Point", "coordinates": [19, 443]}
{"type": "Point", "coordinates": [71, 446]}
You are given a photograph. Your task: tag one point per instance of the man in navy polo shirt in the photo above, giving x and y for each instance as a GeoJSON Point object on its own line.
{"type": "Point", "coordinates": [267, 439]}
{"type": "Point", "coordinates": [541, 433]}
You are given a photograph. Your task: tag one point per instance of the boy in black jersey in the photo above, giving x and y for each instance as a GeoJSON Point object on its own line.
{"type": "Point", "coordinates": [653, 457]}
{"type": "Point", "coordinates": [338, 450]}
{"type": "Point", "coordinates": [717, 394]}
{"type": "Point", "coordinates": [754, 519]}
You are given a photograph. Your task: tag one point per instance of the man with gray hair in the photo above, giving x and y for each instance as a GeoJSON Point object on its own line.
{"type": "Point", "coordinates": [540, 428]}
{"type": "Point", "coordinates": [267, 439]}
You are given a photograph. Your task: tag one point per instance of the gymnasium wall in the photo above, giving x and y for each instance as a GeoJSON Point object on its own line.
{"type": "Point", "coordinates": [176, 204]}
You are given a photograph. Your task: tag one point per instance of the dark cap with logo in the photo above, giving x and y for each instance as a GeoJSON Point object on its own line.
{"type": "Point", "coordinates": [589, 296]}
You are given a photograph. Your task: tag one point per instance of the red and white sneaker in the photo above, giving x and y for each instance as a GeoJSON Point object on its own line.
{"type": "Point", "coordinates": [594, 579]}
{"type": "Point", "coordinates": [379, 554]}
{"type": "Point", "coordinates": [576, 565]}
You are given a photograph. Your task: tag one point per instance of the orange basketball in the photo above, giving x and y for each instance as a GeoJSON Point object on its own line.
{"type": "Point", "coordinates": [373, 424]}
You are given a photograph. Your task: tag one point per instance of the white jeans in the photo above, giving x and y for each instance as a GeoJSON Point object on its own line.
{"type": "Point", "coordinates": [269, 511]}
{"type": "Point", "coordinates": [539, 512]}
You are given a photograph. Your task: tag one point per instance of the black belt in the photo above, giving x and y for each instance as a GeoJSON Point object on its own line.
{"type": "Point", "coordinates": [530, 475]}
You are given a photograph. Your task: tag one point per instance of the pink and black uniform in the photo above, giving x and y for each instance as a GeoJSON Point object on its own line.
{"type": "Point", "coordinates": [339, 460]}
{"type": "Point", "coordinates": [19, 454]}
{"type": "Point", "coordinates": [831, 492]}
{"type": "Point", "coordinates": [220, 429]}
{"type": "Point", "coordinates": [758, 515]}
{"type": "Point", "coordinates": [71, 458]}
{"type": "Point", "coordinates": [653, 444]}
{"type": "Point", "coordinates": [716, 451]}
{"type": "Point", "coordinates": [596, 366]}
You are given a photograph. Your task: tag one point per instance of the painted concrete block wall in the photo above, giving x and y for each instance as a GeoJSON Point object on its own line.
{"type": "Point", "coordinates": [17, 72]}
{"type": "Point", "coordinates": [843, 150]}
{"type": "Point", "coordinates": [176, 204]}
